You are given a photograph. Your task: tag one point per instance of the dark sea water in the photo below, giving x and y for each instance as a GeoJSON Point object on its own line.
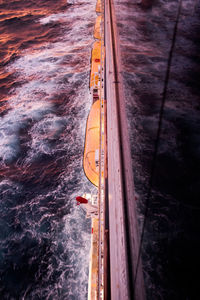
{"type": "Point", "coordinates": [44, 101]}
{"type": "Point", "coordinates": [171, 242]}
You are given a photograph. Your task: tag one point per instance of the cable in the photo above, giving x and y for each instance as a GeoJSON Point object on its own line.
{"type": "Point", "coordinates": [152, 173]}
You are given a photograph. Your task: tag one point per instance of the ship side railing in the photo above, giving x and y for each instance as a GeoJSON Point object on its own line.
{"type": "Point", "coordinates": [101, 194]}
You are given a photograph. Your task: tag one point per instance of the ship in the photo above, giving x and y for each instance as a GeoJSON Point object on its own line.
{"type": "Point", "coordinates": [93, 162]}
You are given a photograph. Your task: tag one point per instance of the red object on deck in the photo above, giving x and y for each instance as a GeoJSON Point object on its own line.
{"type": "Point", "coordinates": [81, 200]}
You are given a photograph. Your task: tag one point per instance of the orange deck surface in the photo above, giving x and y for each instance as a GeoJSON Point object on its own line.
{"type": "Point", "coordinates": [97, 28]}
{"type": "Point", "coordinates": [91, 169]}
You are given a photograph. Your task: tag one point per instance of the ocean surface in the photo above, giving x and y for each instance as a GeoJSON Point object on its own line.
{"type": "Point", "coordinates": [45, 51]}
{"type": "Point", "coordinates": [167, 180]}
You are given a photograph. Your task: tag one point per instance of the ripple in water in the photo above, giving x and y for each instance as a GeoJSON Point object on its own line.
{"type": "Point", "coordinates": [171, 240]}
{"type": "Point", "coordinates": [44, 80]}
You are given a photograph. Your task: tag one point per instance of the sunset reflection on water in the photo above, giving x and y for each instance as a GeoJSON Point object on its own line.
{"type": "Point", "coordinates": [44, 102]}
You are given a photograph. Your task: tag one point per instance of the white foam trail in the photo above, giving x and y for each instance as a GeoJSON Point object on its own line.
{"type": "Point", "coordinates": [43, 70]}
{"type": "Point", "coordinates": [40, 68]}
{"type": "Point", "coordinates": [43, 132]}
{"type": "Point", "coordinates": [79, 252]}
{"type": "Point", "coordinates": [74, 13]}
{"type": "Point", "coordinates": [53, 18]}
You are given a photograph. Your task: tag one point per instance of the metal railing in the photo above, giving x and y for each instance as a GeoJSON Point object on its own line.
{"type": "Point", "coordinates": [101, 195]}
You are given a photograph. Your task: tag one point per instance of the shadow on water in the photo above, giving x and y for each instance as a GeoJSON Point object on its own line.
{"type": "Point", "coordinates": [171, 239]}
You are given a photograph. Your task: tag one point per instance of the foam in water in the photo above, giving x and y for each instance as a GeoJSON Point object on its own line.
{"type": "Point", "coordinates": [45, 238]}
